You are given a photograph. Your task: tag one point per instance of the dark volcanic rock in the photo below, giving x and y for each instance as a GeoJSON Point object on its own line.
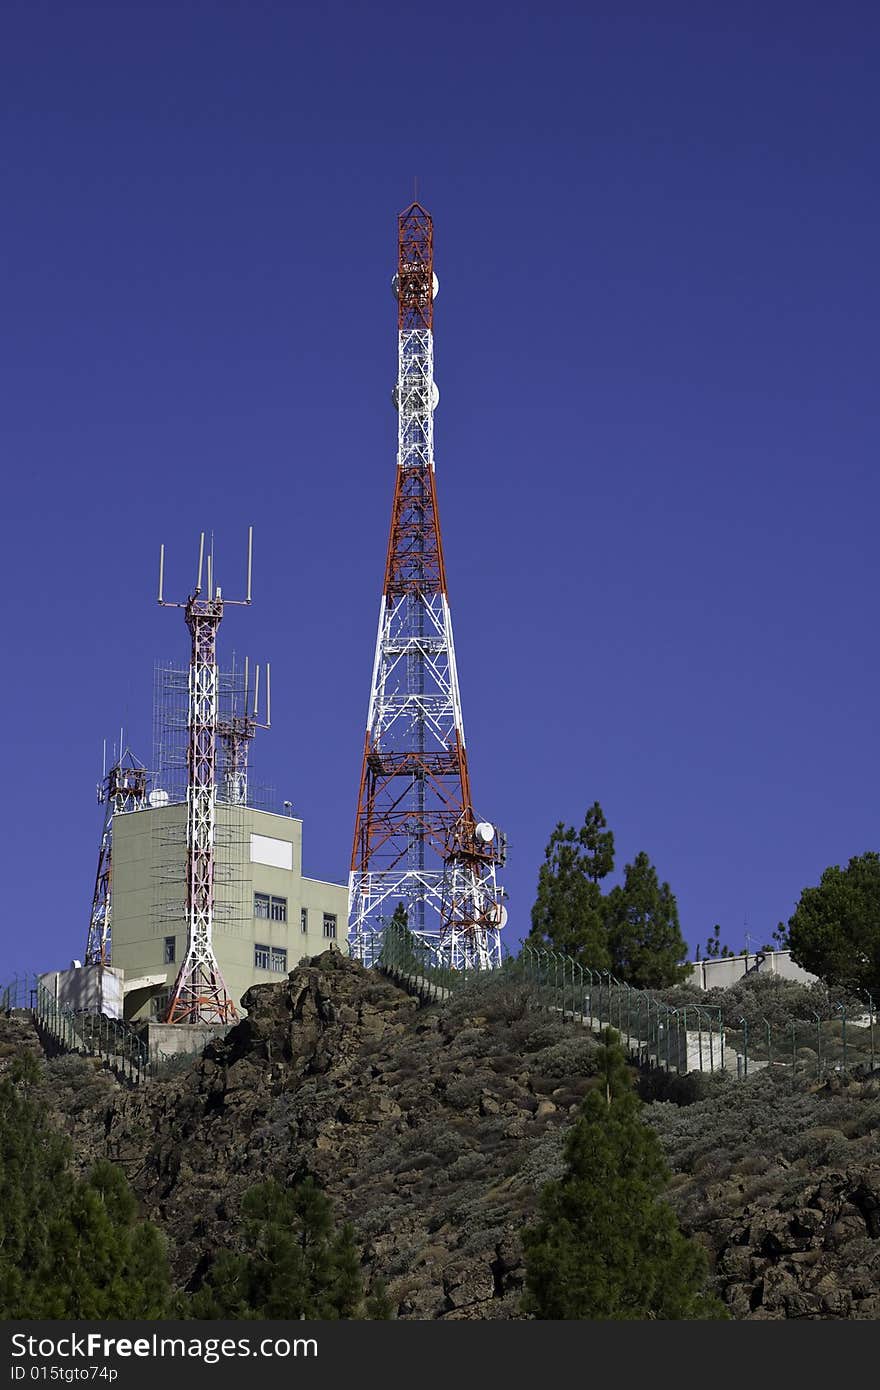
{"type": "Point", "coordinates": [411, 1121]}
{"type": "Point", "coordinates": [433, 1129]}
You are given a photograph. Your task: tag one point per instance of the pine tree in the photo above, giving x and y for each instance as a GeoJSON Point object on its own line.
{"type": "Point", "coordinates": [644, 937]}
{"type": "Point", "coordinates": [835, 928]}
{"type": "Point", "coordinates": [605, 1244]}
{"type": "Point", "coordinates": [400, 918]}
{"type": "Point", "coordinates": [295, 1263]}
{"type": "Point", "coordinates": [568, 913]}
{"type": "Point", "coordinates": [379, 1307]}
{"type": "Point", "coordinates": [714, 948]}
{"type": "Point", "coordinates": [68, 1248]}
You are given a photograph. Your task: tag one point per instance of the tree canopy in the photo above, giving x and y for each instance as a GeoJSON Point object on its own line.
{"type": "Point", "coordinates": [606, 1244]}
{"type": "Point", "coordinates": [633, 930]}
{"type": "Point", "coordinates": [69, 1248]}
{"type": "Point", "coordinates": [644, 937]}
{"type": "Point", "coordinates": [296, 1263]}
{"type": "Point", "coordinates": [834, 931]}
{"type": "Point", "coordinates": [569, 911]}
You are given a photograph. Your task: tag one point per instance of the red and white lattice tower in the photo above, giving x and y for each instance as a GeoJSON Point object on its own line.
{"type": "Point", "coordinates": [199, 994]}
{"type": "Point", "coordinates": [417, 839]}
{"type": "Point", "coordinates": [123, 788]}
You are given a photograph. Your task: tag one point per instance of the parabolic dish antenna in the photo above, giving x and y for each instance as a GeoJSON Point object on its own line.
{"type": "Point", "coordinates": [435, 287]}
{"type": "Point", "coordinates": [158, 798]}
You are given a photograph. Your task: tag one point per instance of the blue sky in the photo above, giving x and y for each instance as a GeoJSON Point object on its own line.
{"type": "Point", "coordinates": [656, 344]}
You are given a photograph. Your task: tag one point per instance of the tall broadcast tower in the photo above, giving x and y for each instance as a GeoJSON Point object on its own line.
{"type": "Point", "coordinates": [199, 994]}
{"type": "Point", "coordinates": [417, 839]}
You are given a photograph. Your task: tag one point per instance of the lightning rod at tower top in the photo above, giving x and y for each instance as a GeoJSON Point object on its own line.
{"type": "Point", "coordinates": [418, 841]}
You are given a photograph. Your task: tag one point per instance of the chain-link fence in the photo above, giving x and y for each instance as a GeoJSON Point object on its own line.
{"type": "Point", "coordinates": [681, 1037]}
{"type": "Point", "coordinates": [88, 1033]}
{"type": "Point", "coordinates": [697, 1037]}
{"type": "Point", "coordinates": [689, 1038]}
{"type": "Point", "coordinates": [19, 993]}
{"type": "Point", "coordinates": [414, 965]}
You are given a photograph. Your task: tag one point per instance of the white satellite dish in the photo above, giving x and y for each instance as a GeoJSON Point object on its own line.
{"type": "Point", "coordinates": [497, 915]}
{"type": "Point", "coordinates": [484, 832]}
{"type": "Point", "coordinates": [158, 798]}
{"type": "Point", "coordinates": [435, 287]}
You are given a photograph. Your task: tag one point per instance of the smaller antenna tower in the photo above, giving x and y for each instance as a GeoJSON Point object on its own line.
{"type": "Point", "coordinates": [199, 994]}
{"type": "Point", "coordinates": [123, 788]}
{"type": "Point", "coordinates": [236, 731]}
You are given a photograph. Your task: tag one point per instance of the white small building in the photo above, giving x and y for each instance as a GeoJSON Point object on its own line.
{"type": "Point", "coordinates": [720, 972]}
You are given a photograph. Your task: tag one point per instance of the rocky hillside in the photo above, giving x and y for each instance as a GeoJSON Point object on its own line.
{"type": "Point", "coordinates": [433, 1128]}
{"type": "Point", "coordinates": [782, 1184]}
{"type": "Point", "coordinates": [430, 1129]}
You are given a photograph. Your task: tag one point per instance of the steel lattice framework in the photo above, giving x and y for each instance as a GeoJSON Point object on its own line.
{"type": "Point", "coordinates": [235, 732]}
{"type": "Point", "coordinates": [123, 788]}
{"type": "Point", "coordinates": [199, 994]}
{"type": "Point", "coordinates": [417, 840]}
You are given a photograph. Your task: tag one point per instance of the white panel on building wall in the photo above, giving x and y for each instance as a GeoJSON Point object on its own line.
{"type": "Point", "coordinates": [267, 850]}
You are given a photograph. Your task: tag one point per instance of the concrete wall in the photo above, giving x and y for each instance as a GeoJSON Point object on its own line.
{"type": "Point", "coordinates": [179, 1039]}
{"type": "Point", "coordinates": [149, 862]}
{"type": "Point", "coordinates": [722, 972]}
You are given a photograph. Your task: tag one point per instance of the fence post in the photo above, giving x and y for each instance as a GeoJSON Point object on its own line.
{"type": "Point", "coordinates": [592, 994]}
{"type": "Point", "coordinates": [709, 1029]}
{"type": "Point", "coordinates": [745, 1025]}
{"type": "Point", "coordinates": [769, 1043]}
{"type": "Point", "coordinates": [842, 1008]}
{"type": "Point", "coordinates": [818, 1046]}
{"type": "Point", "coordinates": [871, 1007]}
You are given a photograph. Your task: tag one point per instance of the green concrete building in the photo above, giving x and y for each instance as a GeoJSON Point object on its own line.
{"type": "Point", "coordinates": [268, 916]}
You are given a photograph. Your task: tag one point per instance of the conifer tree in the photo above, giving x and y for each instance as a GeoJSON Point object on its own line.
{"type": "Point", "coordinates": [835, 928]}
{"type": "Point", "coordinates": [295, 1264]}
{"type": "Point", "coordinates": [605, 1244]}
{"type": "Point", "coordinates": [644, 937]}
{"type": "Point", "coordinates": [568, 913]}
{"type": "Point", "coordinates": [68, 1248]}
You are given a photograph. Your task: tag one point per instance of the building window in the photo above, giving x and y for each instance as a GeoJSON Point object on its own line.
{"type": "Point", "coordinates": [270, 908]}
{"type": "Point", "coordinates": [330, 924]}
{"type": "Point", "coordinates": [304, 919]}
{"type": "Point", "coordinates": [271, 958]}
{"type": "Point", "coordinates": [262, 957]}
{"type": "Point", "coordinates": [170, 949]}
{"type": "Point", "coordinates": [279, 960]}
{"type": "Point", "coordinates": [159, 1004]}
